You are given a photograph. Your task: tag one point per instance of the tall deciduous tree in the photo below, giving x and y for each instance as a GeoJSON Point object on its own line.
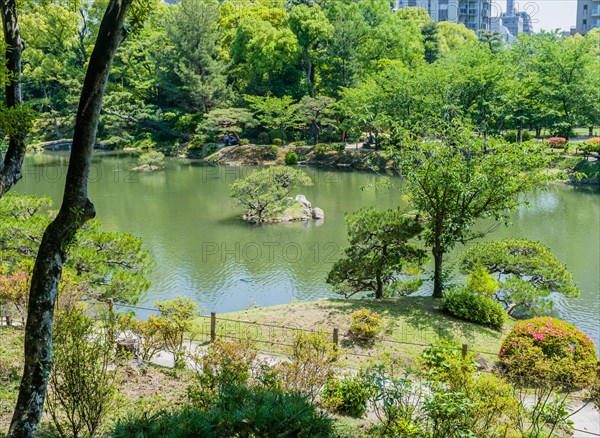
{"type": "Point", "coordinates": [313, 31]}
{"type": "Point", "coordinates": [75, 211]}
{"type": "Point", "coordinates": [459, 179]}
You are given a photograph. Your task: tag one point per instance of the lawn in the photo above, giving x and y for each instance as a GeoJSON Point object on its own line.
{"type": "Point", "coordinates": [410, 323]}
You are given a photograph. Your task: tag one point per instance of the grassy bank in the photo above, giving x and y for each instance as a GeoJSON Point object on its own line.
{"type": "Point", "coordinates": [410, 323]}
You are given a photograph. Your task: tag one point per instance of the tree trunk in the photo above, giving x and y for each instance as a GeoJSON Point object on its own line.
{"type": "Point", "coordinates": [75, 210]}
{"type": "Point", "coordinates": [591, 131]}
{"type": "Point", "coordinates": [379, 291]}
{"type": "Point", "coordinates": [438, 255]}
{"type": "Point", "coordinates": [10, 168]}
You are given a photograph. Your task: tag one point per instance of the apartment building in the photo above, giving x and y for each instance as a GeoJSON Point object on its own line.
{"type": "Point", "coordinates": [588, 15]}
{"type": "Point", "coordinates": [474, 14]}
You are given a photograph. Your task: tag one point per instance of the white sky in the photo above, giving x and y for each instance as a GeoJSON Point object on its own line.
{"type": "Point", "coordinates": [545, 14]}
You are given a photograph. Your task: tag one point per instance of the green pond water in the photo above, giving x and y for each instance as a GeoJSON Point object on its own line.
{"type": "Point", "coordinates": [205, 251]}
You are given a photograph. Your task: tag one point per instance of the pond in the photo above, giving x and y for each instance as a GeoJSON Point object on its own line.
{"type": "Point", "coordinates": [205, 251]}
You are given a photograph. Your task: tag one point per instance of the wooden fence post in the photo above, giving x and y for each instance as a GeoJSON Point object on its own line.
{"type": "Point", "coordinates": [336, 336]}
{"type": "Point", "coordinates": [213, 327]}
{"type": "Point", "coordinates": [465, 347]}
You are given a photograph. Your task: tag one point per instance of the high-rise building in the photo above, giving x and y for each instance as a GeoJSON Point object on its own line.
{"type": "Point", "coordinates": [474, 14]}
{"type": "Point", "coordinates": [588, 15]}
{"type": "Point", "coordinates": [516, 22]}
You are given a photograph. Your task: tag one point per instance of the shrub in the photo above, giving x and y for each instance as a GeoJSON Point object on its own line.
{"type": "Point", "coordinates": [395, 400]}
{"type": "Point", "coordinates": [365, 324]}
{"type": "Point", "coordinates": [84, 380]}
{"type": "Point", "coordinates": [347, 396]}
{"type": "Point", "coordinates": [223, 364]}
{"type": "Point", "coordinates": [244, 142]}
{"type": "Point", "coordinates": [174, 321]}
{"type": "Point", "coordinates": [271, 152]}
{"type": "Point", "coordinates": [291, 158]}
{"type": "Point", "coordinates": [449, 413]}
{"type": "Point", "coordinates": [497, 411]}
{"type": "Point", "coordinates": [511, 136]}
{"type": "Point", "coordinates": [443, 362]}
{"type": "Point", "coordinates": [321, 150]}
{"type": "Point", "coordinates": [237, 411]}
{"type": "Point", "coordinates": [473, 307]}
{"type": "Point", "coordinates": [557, 142]}
{"type": "Point", "coordinates": [312, 364]}
{"type": "Point", "coordinates": [263, 138]}
{"type": "Point", "coordinates": [549, 349]}
{"type": "Point", "coordinates": [210, 148]}
{"type": "Point", "coordinates": [14, 294]}
{"type": "Point", "coordinates": [590, 146]}
{"type": "Point", "coordinates": [277, 141]}
{"type": "Point", "coordinates": [339, 147]}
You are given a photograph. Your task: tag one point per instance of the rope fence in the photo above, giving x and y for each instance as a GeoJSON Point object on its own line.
{"type": "Point", "coordinates": [209, 328]}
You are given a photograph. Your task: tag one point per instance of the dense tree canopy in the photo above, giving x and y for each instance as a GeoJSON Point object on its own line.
{"type": "Point", "coordinates": [459, 179]}
{"type": "Point", "coordinates": [382, 68]}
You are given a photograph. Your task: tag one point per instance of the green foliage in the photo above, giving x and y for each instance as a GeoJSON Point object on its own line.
{"type": "Point", "coordinates": [152, 159]}
{"type": "Point", "coordinates": [277, 141]}
{"type": "Point", "coordinates": [379, 251]}
{"type": "Point", "coordinates": [365, 324]}
{"type": "Point", "coordinates": [395, 400]}
{"type": "Point", "coordinates": [473, 307]}
{"type": "Point", "coordinates": [481, 281]}
{"type": "Point", "coordinates": [173, 322]}
{"type": "Point", "coordinates": [291, 158]}
{"type": "Point", "coordinates": [200, 72]}
{"type": "Point", "coordinates": [263, 138]}
{"type": "Point", "coordinates": [265, 193]}
{"type": "Point", "coordinates": [271, 152]}
{"type": "Point", "coordinates": [531, 273]}
{"type": "Point", "coordinates": [443, 362]}
{"type": "Point", "coordinates": [549, 349]}
{"type": "Point", "coordinates": [84, 381]}
{"type": "Point", "coordinates": [347, 396]}
{"type": "Point", "coordinates": [449, 413]}
{"type": "Point", "coordinates": [210, 148]}
{"type": "Point", "coordinates": [274, 112]}
{"type": "Point", "coordinates": [227, 120]}
{"type": "Point", "coordinates": [311, 365]}
{"type": "Point", "coordinates": [590, 146]}
{"type": "Point", "coordinates": [236, 411]}
{"type": "Point", "coordinates": [513, 136]}
{"type": "Point", "coordinates": [23, 220]}
{"type": "Point", "coordinates": [460, 179]}
{"type": "Point", "coordinates": [223, 364]}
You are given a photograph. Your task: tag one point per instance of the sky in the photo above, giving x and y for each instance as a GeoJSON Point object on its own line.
{"type": "Point", "coordinates": [545, 14]}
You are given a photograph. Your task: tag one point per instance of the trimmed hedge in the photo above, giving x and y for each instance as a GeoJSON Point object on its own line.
{"type": "Point", "coordinates": [473, 307]}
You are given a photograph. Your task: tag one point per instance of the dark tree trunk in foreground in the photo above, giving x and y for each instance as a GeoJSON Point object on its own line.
{"type": "Point", "coordinates": [75, 210]}
{"type": "Point", "coordinates": [438, 256]}
{"type": "Point", "coordinates": [10, 167]}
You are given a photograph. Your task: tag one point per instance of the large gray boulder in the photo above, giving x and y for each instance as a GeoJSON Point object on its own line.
{"type": "Point", "coordinates": [302, 199]}
{"type": "Point", "coordinates": [317, 213]}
